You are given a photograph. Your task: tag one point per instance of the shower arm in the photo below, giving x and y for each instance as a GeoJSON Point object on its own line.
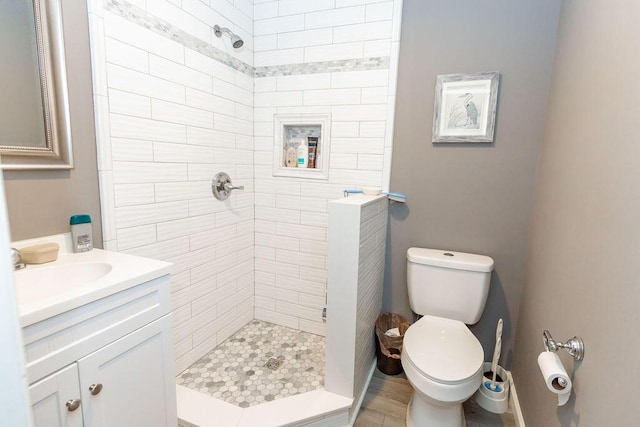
{"type": "Point", "coordinates": [218, 29]}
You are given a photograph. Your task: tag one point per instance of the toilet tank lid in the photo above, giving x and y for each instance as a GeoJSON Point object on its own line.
{"type": "Point", "coordinates": [450, 259]}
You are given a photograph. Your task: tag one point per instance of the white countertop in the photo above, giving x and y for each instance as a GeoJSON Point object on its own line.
{"type": "Point", "coordinates": [127, 271]}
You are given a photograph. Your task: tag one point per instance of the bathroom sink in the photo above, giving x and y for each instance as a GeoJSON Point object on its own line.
{"type": "Point", "coordinates": [36, 283]}
{"type": "Point", "coordinates": [76, 279]}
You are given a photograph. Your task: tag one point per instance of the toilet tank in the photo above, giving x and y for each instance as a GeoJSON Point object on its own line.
{"type": "Point", "coordinates": [448, 284]}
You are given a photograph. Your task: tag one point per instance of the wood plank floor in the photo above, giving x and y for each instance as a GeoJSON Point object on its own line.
{"type": "Point", "coordinates": [385, 405]}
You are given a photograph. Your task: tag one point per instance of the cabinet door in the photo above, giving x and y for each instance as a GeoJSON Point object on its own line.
{"type": "Point", "coordinates": [130, 382]}
{"type": "Point", "coordinates": [49, 398]}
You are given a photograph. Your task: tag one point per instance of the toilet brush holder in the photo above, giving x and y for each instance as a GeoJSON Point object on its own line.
{"type": "Point", "coordinates": [493, 399]}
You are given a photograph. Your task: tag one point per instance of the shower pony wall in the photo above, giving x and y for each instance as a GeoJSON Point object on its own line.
{"type": "Point", "coordinates": [175, 104]}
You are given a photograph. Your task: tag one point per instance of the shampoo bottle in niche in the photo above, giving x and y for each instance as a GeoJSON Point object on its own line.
{"type": "Point", "coordinates": [81, 233]}
{"type": "Point", "coordinates": [291, 155]}
{"type": "Point", "coordinates": [303, 154]}
{"type": "Point", "coordinates": [313, 151]}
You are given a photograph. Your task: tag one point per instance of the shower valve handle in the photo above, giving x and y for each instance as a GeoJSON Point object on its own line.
{"type": "Point", "coordinates": [228, 187]}
{"type": "Point", "coordinates": [221, 186]}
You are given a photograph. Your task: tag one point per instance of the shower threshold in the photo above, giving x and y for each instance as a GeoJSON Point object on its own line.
{"type": "Point", "coordinates": [313, 408]}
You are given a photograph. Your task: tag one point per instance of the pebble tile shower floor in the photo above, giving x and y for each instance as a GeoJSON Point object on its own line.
{"type": "Point", "coordinates": [260, 363]}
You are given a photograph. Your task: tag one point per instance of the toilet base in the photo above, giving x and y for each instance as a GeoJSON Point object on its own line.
{"type": "Point", "coordinates": [423, 413]}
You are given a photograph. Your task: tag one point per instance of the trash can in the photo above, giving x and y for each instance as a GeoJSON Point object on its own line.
{"type": "Point", "coordinates": [390, 329]}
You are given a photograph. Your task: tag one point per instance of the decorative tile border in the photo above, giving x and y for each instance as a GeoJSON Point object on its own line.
{"type": "Point", "coordinates": [140, 17]}
{"type": "Point", "coordinates": [377, 63]}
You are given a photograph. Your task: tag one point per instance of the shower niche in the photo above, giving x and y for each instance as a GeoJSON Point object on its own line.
{"type": "Point", "coordinates": [291, 131]}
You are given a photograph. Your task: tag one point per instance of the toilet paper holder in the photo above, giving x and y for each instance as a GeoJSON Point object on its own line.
{"type": "Point", "coordinates": [575, 346]}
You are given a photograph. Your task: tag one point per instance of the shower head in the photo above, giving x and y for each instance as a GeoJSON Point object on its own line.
{"type": "Point", "coordinates": [236, 40]}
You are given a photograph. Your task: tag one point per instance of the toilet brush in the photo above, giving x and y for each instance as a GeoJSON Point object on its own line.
{"type": "Point", "coordinates": [494, 365]}
{"type": "Point", "coordinates": [493, 394]}
{"type": "Point", "coordinates": [496, 355]}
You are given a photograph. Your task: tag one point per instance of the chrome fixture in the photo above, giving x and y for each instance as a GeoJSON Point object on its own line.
{"type": "Point", "coordinates": [15, 259]}
{"type": "Point", "coordinates": [95, 389]}
{"type": "Point", "coordinates": [236, 40]}
{"type": "Point", "coordinates": [72, 404]}
{"type": "Point", "coordinates": [575, 346]}
{"type": "Point", "coordinates": [221, 186]}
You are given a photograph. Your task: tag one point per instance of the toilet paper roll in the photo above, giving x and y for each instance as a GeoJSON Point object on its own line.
{"type": "Point", "coordinates": [555, 376]}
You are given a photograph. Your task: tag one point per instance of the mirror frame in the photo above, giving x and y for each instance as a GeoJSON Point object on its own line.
{"type": "Point", "coordinates": [58, 153]}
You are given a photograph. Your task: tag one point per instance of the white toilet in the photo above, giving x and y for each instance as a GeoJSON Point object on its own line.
{"type": "Point", "coordinates": [441, 357]}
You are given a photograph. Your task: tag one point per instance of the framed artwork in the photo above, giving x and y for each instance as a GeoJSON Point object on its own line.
{"type": "Point", "coordinates": [465, 108]}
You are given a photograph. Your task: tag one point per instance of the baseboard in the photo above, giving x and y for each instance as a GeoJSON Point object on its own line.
{"type": "Point", "coordinates": [356, 407]}
{"type": "Point", "coordinates": [514, 403]}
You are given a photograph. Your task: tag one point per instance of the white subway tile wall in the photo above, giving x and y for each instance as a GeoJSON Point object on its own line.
{"type": "Point", "coordinates": [373, 237]}
{"type": "Point", "coordinates": [171, 116]}
{"type": "Point", "coordinates": [329, 37]}
{"type": "Point", "coordinates": [175, 104]}
{"type": "Point", "coordinates": [356, 254]}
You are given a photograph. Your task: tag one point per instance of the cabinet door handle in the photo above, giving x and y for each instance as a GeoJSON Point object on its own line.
{"type": "Point", "coordinates": [95, 388]}
{"type": "Point", "coordinates": [73, 404]}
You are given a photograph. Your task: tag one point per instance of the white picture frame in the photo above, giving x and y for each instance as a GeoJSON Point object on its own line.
{"type": "Point", "coordinates": [465, 108]}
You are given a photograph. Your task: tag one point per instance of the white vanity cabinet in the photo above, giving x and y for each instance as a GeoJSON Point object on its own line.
{"type": "Point", "coordinates": [49, 398]}
{"type": "Point", "coordinates": [112, 356]}
{"type": "Point", "coordinates": [127, 383]}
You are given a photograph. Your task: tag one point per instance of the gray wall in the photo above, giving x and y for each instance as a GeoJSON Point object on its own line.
{"type": "Point", "coordinates": [41, 202]}
{"type": "Point", "coordinates": [582, 264]}
{"type": "Point", "coordinates": [470, 198]}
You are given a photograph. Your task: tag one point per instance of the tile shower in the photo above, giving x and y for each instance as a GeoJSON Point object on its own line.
{"type": "Point", "coordinates": [260, 363]}
{"type": "Point", "coordinates": [175, 105]}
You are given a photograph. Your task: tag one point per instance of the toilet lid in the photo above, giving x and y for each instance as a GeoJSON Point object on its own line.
{"type": "Point", "coordinates": [444, 350]}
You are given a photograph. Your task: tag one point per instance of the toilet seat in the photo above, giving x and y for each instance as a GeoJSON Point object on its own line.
{"type": "Point", "coordinates": [443, 350]}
